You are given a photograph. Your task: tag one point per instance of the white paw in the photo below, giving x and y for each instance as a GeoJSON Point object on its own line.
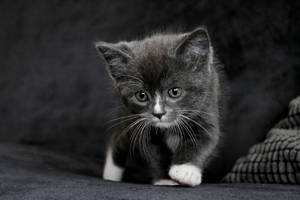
{"type": "Point", "coordinates": [186, 174]}
{"type": "Point", "coordinates": [111, 171]}
{"type": "Point", "coordinates": [165, 182]}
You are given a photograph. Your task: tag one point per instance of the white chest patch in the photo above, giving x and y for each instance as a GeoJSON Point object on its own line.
{"type": "Point", "coordinates": [173, 142]}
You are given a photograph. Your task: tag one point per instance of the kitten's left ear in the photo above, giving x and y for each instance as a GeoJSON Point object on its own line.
{"type": "Point", "coordinates": [195, 48]}
{"type": "Point", "coordinates": [117, 57]}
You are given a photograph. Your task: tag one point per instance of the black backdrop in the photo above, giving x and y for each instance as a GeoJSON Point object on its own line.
{"type": "Point", "coordinates": [54, 91]}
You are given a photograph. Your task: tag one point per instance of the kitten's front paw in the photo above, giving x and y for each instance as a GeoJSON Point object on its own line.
{"type": "Point", "coordinates": [167, 182]}
{"type": "Point", "coordinates": [186, 174]}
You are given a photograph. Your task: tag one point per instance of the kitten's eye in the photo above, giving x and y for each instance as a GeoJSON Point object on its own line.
{"type": "Point", "coordinates": [141, 96]}
{"type": "Point", "coordinates": [175, 92]}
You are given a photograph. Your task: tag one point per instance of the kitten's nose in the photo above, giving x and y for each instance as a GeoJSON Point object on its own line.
{"type": "Point", "coordinates": [159, 115]}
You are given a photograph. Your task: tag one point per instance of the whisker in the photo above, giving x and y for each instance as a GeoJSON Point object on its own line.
{"type": "Point", "coordinates": [120, 122]}
{"type": "Point", "coordinates": [135, 138]}
{"type": "Point", "coordinates": [187, 127]}
{"type": "Point", "coordinates": [131, 125]}
{"type": "Point", "coordinates": [143, 142]}
{"type": "Point", "coordinates": [196, 111]}
{"type": "Point", "coordinates": [175, 129]}
{"type": "Point", "coordinates": [147, 137]}
{"type": "Point", "coordinates": [182, 136]}
{"type": "Point", "coordinates": [123, 117]}
{"type": "Point", "coordinates": [133, 77]}
{"type": "Point", "coordinates": [178, 136]}
{"type": "Point", "coordinates": [131, 83]}
{"type": "Point", "coordinates": [201, 126]}
{"type": "Point", "coordinates": [134, 135]}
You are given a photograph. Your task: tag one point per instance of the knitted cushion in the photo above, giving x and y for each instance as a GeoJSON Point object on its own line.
{"type": "Point", "coordinates": [277, 159]}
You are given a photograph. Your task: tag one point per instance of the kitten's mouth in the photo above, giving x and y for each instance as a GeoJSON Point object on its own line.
{"type": "Point", "coordinates": [162, 124]}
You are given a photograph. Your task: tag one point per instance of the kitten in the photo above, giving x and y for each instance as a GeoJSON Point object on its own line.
{"type": "Point", "coordinates": [171, 99]}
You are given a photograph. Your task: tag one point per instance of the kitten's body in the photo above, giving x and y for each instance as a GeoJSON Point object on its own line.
{"type": "Point", "coordinates": [173, 133]}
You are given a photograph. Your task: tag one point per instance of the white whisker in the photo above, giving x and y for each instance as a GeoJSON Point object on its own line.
{"type": "Point", "coordinates": [134, 135]}
{"type": "Point", "coordinates": [187, 127]}
{"type": "Point", "coordinates": [122, 121]}
{"type": "Point", "coordinates": [133, 77]}
{"type": "Point", "coordinates": [201, 126]}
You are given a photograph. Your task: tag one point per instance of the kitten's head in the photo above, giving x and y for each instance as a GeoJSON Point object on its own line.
{"type": "Point", "coordinates": [163, 77]}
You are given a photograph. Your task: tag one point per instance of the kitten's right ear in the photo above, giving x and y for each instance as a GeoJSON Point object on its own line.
{"type": "Point", "coordinates": [117, 57]}
{"type": "Point", "coordinates": [195, 48]}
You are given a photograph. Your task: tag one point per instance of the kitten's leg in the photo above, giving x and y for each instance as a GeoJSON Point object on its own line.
{"type": "Point", "coordinates": [116, 157]}
{"type": "Point", "coordinates": [111, 170]}
{"type": "Point", "coordinates": [188, 161]}
{"type": "Point", "coordinates": [158, 172]}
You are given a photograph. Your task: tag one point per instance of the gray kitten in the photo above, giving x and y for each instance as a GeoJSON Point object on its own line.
{"type": "Point", "coordinates": [170, 102]}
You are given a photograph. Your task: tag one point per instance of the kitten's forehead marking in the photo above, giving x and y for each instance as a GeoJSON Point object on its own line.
{"type": "Point", "coordinates": [158, 104]}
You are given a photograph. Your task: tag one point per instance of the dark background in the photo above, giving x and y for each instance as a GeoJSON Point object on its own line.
{"type": "Point", "coordinates": [55, 93]}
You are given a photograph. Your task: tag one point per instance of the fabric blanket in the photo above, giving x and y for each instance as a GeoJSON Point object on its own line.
{"type": "Point", "coordinates": [277, 159]}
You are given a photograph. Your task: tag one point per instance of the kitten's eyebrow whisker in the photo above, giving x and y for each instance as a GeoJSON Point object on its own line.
{"type": "Point", "coordinates": [131, 83]}
{"type": "Point", "coordinates": [133, 77]}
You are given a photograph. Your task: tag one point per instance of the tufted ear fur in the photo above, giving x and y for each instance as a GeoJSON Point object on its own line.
{"type": "Point", "coordinates": [117, 57]}
{"type": "Point", "coordinates": [195, 48]}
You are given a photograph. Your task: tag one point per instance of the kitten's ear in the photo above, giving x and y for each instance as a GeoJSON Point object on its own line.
{"type": "Point", "coordinates": [195, 48]}
{"type": "Point", "coordinates": [117, 57]}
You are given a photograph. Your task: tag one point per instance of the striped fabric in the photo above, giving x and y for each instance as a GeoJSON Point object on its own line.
{"type": "Point", "coordinates": [277, 159]}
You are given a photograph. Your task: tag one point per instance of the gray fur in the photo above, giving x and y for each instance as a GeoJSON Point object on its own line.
{"type": "Point", "coordinates": [155, 65]}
